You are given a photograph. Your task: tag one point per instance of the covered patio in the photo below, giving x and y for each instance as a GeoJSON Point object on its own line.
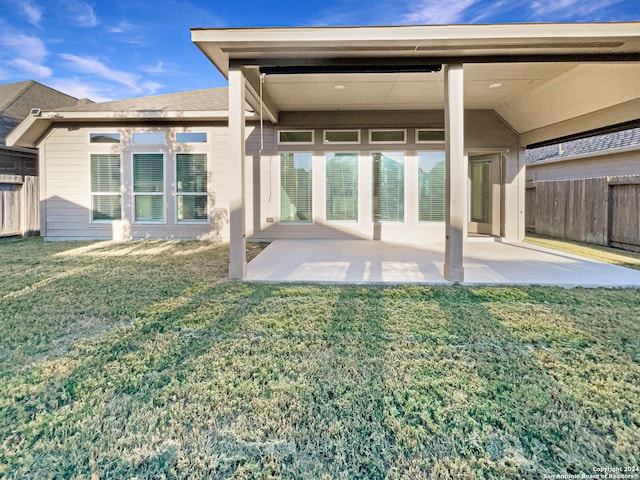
{"type": "Point", "coordinates": [486, 262]}
{"type": "Point", "coordinates": [493, 90]}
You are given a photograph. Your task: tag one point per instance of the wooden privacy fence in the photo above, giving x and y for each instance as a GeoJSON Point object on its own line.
{"type": "Point", "coordinates": [19, 205]}
{"type": "Point", "coordinates": [602, 211]}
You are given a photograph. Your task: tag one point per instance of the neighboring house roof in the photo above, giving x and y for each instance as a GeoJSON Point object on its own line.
{"type": "Point", "coordinates": [17, 100]}
{"type": "Point", "coordinates": [585, 146]}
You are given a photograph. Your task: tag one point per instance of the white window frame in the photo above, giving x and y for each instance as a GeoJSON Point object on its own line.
{"type": "Point", "coordinates": [375, 142]}
{"type": "Point", "coordinates": [176, 193]}
{"type": "Point", "coordinates": [96, 194]}
{"type": "Point", "coordinates": [429, 142]}
{"type": "Point", "coordinates": [329, 142]}
{"type": "Point", "coordinates": [314, 168]}
{"type": "Point", "coordinates": [306, 130]}
{"type": "Point", "coordinates": [164, 190]}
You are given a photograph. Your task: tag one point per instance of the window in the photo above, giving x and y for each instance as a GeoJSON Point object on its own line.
{"type": "Point", "coordinates": [106, 197]}
{"type": "Point", "coordinates": [191, 137]}
{"type": "Point", "coordinates": [431, 186]}
{"type": "Point", "coordinates": [342, 186]}
{"type": "Point", "coordinates": [295, 187]}
{"type": "Point", "coordinates": [387, 136]}
{"type": "Point", "coordinates": [191, 187]}
{"type": "Point", "coordinates": [429, 136]}
{"type": "Point", "coordinates": [295, 137]}
{"type": "Point", "coordinates": [342, 136]}
{"type": "Point", "coordinates": [148, 187]}
{"type": "Point", "coordinates": [104, 138]}
{"type": "Point", "coordinates": [388, 187]}
{"type": "Point", "coordinates": [148, 138]}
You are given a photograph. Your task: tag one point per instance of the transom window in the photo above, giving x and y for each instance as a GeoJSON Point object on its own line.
{"type": "Point", "coordinates": [191, 186]}
{"type": "Point", "coordinates": [106, 195]}
{"type": "Point", "coordinates": [388, 187]}
{"type": "Point", "coordinates": [148, 187]}
{"type": "Point", "coordinates": [148, 138]}
{"type": "Point", "coordinates": [295, 187]}
{"type": "Point", "coordinates": [191, 137]}
{"type": "Point", "coordinates": [295, 137]}
{"type": "Point", "coordinates": [342, 187]}
{"type": "Point", "coordinates": [342, 136]}
{"type": "Point", "coordinates": [429, 135]}
{"type": "Point", "coordinates": [388, 136]}
{"type": "Point", "coordinates": [111, 137]}
{"type": "Point", "coordinates": [431, 186]}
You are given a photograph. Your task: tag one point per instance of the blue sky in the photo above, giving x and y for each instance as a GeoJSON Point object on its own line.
{"type": "Point", "coordinates": [109, 50]}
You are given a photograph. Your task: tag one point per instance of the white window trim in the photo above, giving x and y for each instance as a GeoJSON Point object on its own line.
{"type": "Point", "coordinates": [405, 190]}
{"type": "Point", "coordinates": [134, 193]}
{"type": "Point", "coordinates": [176, 193]}
{"type": "Point", "coordinates": [373, 142]}
{"type": "Point", "coordinates": [105, 144]}
{"type": "Point", "coordinates": [429, 142]}
{"type": "Point", "coordinates": [358, 198]}
{"type": "Point", "coordinates": [313, 188]}
{"type": "Point", "coordinates": [312, 142]}
{"type": "Point", "coordinates": [328, 142]}
{"type": "Point", "coordinates": [164, 139]}
{"type": "Point", "coordinates": [96, 194]}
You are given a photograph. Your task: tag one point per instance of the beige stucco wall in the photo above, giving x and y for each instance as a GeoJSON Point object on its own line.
{"type": "Point", "coordinates": [65, 183]}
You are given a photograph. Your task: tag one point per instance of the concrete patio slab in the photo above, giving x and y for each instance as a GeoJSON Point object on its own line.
{"type": "Point", "coordinates": [486, 263]}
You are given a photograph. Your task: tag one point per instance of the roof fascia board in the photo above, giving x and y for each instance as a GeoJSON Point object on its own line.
{"type": "Point", "coordinates": [255, 99]}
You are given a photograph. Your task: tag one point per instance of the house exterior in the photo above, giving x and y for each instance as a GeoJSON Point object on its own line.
{"type": "Point", "coordinates": [16, 101]}
{"type": "Point", "coordinates": [381, 133]}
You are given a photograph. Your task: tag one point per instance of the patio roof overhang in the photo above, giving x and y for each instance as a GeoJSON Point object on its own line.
{"type": "Point", "coordinates": [545, 80]}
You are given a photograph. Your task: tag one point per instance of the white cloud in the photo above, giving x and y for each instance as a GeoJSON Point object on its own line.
{"type": "Point", "coordinates": [123, 27]}
{"type": "Point", "coordinates": [32, 10]}
{"type": "Point", "coordinates": [558, 10]}
{"type": "Point", "coordinates": [93, 66]}
{"type": "Point", "coordinates": [32, 69]}
{"type": "Point", "coordinates": [79, 89]}
{"type": "Point", "coordinates": [160, 68]}
{"type": "Point", "coordinates": [81, 12]}
{"type": "Point", "coordinates": [25, 46]}
{"type": "Point", "coordinates": [438, 11]}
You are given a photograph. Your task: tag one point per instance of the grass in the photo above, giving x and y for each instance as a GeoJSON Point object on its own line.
{"type": "Point", "coordinates": [615, 256]}
{"type": "Point", "coordinates": [139, 360]}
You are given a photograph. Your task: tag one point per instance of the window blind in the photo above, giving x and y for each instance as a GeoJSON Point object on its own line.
{"type": "Point", "coordinates": [148, 187]}
{"type": "Point", "coordinates": [295, 187]}
{"type": "Point", "coordinates": [342, 186]}
{"type": "Point", "coordinates": [191, 176]}
{"type": "Point", "coordinates": [431, 186]}
{"type": "Point", "coordinates": [105, 187]}
{"type": "Point", "coordinates": [388, 187]}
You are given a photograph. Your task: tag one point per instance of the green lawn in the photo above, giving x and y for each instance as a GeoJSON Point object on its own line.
{"type": "Point", "coordinates": [140, 360]}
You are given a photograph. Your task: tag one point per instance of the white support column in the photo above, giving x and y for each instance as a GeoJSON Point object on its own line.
{"type": "Point", "coordinates": [456, 173]}
{"type": "Point", "coordinates": [238, 255]}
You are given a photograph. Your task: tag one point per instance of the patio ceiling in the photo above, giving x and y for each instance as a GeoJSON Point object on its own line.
{"type": "Point", "coordinates": [554, 80]}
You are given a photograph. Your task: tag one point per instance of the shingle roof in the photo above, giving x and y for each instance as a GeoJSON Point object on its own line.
{"type": "Point", "coordinates": [17, 100]}
{"type": "Point", "coordinates": [213, 99]}
{"type": "Point", "coordinates": [598, 143]}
